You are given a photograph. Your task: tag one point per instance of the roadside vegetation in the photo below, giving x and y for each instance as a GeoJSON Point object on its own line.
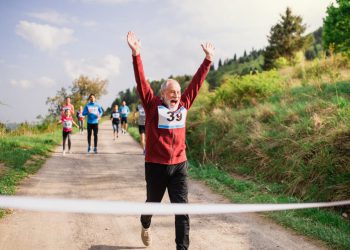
{"type": "Point", "coordinates": [23, 152]}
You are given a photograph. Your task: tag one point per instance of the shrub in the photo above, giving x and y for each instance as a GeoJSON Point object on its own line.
{"type": "Point", "coordinates": [236, 91]}
{"type": "Point", "coordinates": [281, 62]}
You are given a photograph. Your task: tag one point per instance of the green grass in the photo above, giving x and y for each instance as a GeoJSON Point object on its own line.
{"type": "Point", "coordinates": [134, 132]}
{"type": "Point", "coordinates": [299, 137]}
{"type": "Point", "coordinates": [321, 224]}
{"type": "Point", "coordinates": [23, 155]}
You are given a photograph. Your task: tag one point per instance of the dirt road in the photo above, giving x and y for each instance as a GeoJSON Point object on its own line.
{"type": "Point", "coordinates": [116, 173]}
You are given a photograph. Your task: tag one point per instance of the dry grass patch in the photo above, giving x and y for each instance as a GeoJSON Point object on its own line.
{"type": "Point", "coordinates": [265, 113]}
{"type": "Point", "coordinates": [33, 160]}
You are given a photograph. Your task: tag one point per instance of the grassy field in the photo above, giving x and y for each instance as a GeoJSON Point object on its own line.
{"type": "Point", "coordinates": [22, 155]}
{"type": "Point", "coordinates": [321, 224]}
{"type": "Point", "coordinates": [298, 138]}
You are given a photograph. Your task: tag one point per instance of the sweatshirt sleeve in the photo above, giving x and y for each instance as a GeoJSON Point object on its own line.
{"type": "Point", "coordinates": [143, 88]}
{"type": "Point", "coordinates": [192, 90]}
{"type": "Point", "coordinates": [85, 111]}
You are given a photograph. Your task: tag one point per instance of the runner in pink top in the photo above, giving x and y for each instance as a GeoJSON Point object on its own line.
{"type": "Point", "coordinates": [67, 105]}
{"type": "Point", "coordinates": [165, 160]}
{"type": "Point", "coordinates": [67, 124]}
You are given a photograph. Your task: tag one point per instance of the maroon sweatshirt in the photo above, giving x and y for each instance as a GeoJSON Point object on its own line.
{"type": "Point", "coordinates": [166, 130]}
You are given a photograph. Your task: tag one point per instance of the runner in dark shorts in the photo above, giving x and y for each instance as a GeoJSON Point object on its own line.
{"type": "Point", "coordinates": [124, 112]}
{"type": "Point", "coordinates": [115, 117]}
{"type": "Point", "coordinates": [142, 129]}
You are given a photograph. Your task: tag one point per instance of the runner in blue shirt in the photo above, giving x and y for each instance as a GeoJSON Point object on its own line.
{"type": "Point", "coordinates": [94, 112]}
{"type": "Point", "coordinates": [124, 112]}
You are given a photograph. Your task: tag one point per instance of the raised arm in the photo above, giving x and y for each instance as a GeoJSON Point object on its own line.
{"type": "Point", "coordinates": [192, 90]}
{"type": "Point", "coordinates": [209, 51]}
{"type": "Point", "coordinates": [143, 87]}
{"type": "Point", "coordinates": [134, 43]}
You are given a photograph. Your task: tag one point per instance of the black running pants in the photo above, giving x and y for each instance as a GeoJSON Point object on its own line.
{"type": "Point", "coordinates": [90, 128]}
{"type": "Point", "coordinates": [160, 177]}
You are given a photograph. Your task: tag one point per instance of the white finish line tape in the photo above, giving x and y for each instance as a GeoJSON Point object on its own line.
{"type": "Point", "coordinates": [135, 208]}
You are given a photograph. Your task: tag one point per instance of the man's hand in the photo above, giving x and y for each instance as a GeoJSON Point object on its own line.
{"type": "Point", "coordinates": [209, 51]}
{"type": "Point", "coordinates": [134, 43]}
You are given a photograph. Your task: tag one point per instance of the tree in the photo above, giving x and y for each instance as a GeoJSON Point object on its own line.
{"type": "Point", "coordinates": [56, 101]}
{"type": "Point", "coordinates": [80, 90]}
{"type": "Point", "coordinates": [245, 54]}
{"type": "Point", "coordinates": [84, 86]}
{"type": "Point", "coordinates": [285, 38]}
{"type": "Point", "coordinates": [235, 58]}
{"type": "Point", "coordinates": [220, 63]}
{"type": "Point", "coordinates": [336, 25]}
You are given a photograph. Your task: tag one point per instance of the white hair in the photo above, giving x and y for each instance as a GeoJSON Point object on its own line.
{"type": "Point", "coordinates": [165, 84]}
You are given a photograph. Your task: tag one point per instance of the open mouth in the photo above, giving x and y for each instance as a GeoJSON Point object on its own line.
{"type": "Point", "coordinates": [173, 102]}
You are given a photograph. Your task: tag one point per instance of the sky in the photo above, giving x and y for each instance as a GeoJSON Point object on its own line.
{"type": "Point", "coordinates": [45, 45]}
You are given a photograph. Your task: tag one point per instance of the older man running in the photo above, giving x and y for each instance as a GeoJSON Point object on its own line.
{"type": "Point", "coordinates": [165, 160]}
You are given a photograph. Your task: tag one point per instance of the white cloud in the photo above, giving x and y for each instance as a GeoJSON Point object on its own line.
{"type": "Point", "coordinates": [46, 81]}
{"type": "Point", "coordinates": [25, 84]}
{"type": "Point", "coordinates": [45, 37]}
{"type": "Point", "coordinates": [55, 17]}
{"type": "Point", "coordinates": [43, 81]}
{"type": "Point", "coordinates": [249, 15]}
{"type": "Point", "coordinates": [105, 68]}
{"type": "Point", "coordinates": [51, 16]}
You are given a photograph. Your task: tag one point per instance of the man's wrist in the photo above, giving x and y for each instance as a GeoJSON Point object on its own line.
{"type": "Point", "coordinates": [135, 52]}
{"type": "Point", "coordinates": [209, 57]}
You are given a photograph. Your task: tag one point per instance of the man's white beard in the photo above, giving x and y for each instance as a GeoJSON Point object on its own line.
{"type": "Point", "coordinates": [168, 104]}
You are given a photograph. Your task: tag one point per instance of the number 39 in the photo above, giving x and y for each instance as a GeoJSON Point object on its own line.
{"type": "Point", "coordinates": [172, 116]}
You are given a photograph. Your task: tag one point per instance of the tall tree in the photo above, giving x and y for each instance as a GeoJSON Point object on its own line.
{"type": "Point", "coordinates": [336, 27]}
{"type": "Point", "coordinates": [285, 38]}
{"type": "Point", "coordinates": [84, 86]}
{"type": "Point", "coordinates": [245, 54]}
{"type": "Point", "coordinates": [80, 90]}
{"type": "Point", "coordinates": [56, 102]}
{"type": "Point", "coordinates": [220, 63]}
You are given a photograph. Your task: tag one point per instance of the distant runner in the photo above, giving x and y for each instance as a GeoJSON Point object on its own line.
{"type": "Point", "coordinates": [94, 112]}
{"type": "Point", "coordinates": [67, 105]}
{"type": "Point", "coordinates": [115, 117]}
{"type": "Point", "coordinates": [124, 111]}
{"type": "Point", "coordinates": [67, 124]}
{"type": "Point", "coordinates": [165, 160]}
{"type": "Point", "coordinates": [141, 122]}
{"type": "Point", "coordinates": [81, 119]}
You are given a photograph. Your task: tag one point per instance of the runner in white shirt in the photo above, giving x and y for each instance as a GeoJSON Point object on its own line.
{"type": "Point", "coordinates": [115, 118]}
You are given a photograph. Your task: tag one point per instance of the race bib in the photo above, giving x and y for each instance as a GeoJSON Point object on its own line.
{"type": "Point", "coordinates": [124, 111]}
{"type": "Point", "coordinates": [116, 115]}
{"type": "Point", "coordinates": [142, 112]}
{"type": "Point", "coordinates": [169, 119]}
{"type": "Point", "coordinates": [67, 124]}
{"type": "Point", "coordinates": [93, 110]}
